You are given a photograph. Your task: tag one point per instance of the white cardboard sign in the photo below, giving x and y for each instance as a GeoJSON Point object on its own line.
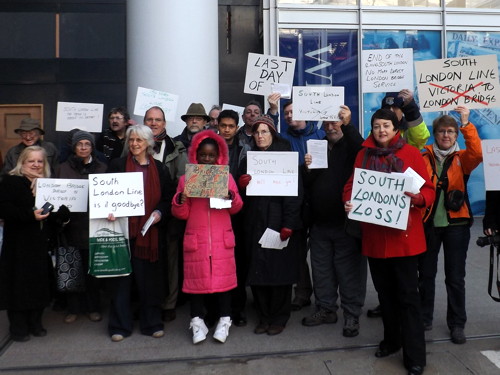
{"type": "Point", "coordinates": [264, 71]}
{"type": "Point", "coordinates": [379, 198]}
{"type": "Point", "coordinates": [471, 81]}
{"type": "Point", "coordinates": [316, 103]}
{"type": "Point", "coordinates": [387, 70]}
{"type": "Point", "coordinates": [491, 163]}
{"type": "Point", "coordinates": [147, 98]}
{"type": "Point", "coordinates": [120, 194]}
{"type": "Point", "coordinates": [274, 173]}
{"type": "Point", "coordinates": [83, 116]}
{"type": "Point", "coordinates": [73, 193]}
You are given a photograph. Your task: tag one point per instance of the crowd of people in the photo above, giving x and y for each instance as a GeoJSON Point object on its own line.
{"type": "Point", "coordinates": [209, 256]}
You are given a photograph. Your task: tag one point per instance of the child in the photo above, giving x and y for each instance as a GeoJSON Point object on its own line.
{"type": "Point", "coordinates": [209, 263]}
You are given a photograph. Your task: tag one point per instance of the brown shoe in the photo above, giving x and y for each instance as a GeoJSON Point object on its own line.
{"type": "Point", "coordinates": [70, 318]}
{"type": "Point", "coordinates": [275, 330]}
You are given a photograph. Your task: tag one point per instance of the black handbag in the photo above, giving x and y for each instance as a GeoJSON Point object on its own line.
{"type": "Point", "coordinates": [69, 267]}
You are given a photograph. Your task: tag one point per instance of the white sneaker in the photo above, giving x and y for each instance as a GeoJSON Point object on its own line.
{"type": "Point", "coordinates": [222, 330]}
{"type": "Point", "coordinates": [199, 328]}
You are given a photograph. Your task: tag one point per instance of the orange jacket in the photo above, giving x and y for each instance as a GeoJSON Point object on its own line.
{"type": "Point", "coordinates": [462, 164]}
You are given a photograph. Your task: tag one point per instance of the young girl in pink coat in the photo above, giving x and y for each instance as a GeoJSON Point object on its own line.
{"type": "Point", "coordinates": [209, 264]}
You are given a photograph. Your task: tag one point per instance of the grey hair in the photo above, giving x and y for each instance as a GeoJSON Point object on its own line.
{"type": "Point", "coordinates": [143, 132]}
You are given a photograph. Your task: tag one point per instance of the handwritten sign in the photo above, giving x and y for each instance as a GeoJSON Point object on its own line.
{"type": "Point", "coordinates": [471, 81]}
{"type": "Point", "coordinates": [491, 163]}
{"type": "Point", "coordinates": [72, 193]}
{"type": "Point", "coordinates": [206, 181]}
{"type": "Point", "coordinates": [387, 70]}
{"type": "Point", "coordinates": [273, 173]}
{"type": "Point", "coordinates": [379, 198]}
{"type": "Point", "coordinates": [120, 194]}
{"type": "Point", "coordinates": [314, 103]}
{"type": "Point", "coordinates": [147, 98]}
{"type": "Point", "coordinates": [235, 108]}
{"type": "Point", "coordinates": [84, 116]}
{"type": "Point", "coordinates": [263, 71]}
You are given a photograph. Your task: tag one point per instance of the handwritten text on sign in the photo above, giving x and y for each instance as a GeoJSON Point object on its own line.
{"type": "Point", "coordinates": [273, 173]}
{"type": "Point", "coordinates": [84, 116]}
{"type": "Point", "coordinates": [58, 191]}
{"type": "Point", "coordinates": [387, 70]}
{"type": "Point", "coordinates": [263, 71]}
{"type": "Point", "coordinates": [206, 181]}
{"type": "Point", "coordinates": [120, 194]}
{"type": "Point", "coordinates": [147, 98]}
{"type": "Point", "coordinates": [379, 198]}
{"type": "Point", "coordinates": [315, 103]}
{"type": "Point", "coordinates": [470, 81]}
{"type": "Point", "coordinates": [491, 163]}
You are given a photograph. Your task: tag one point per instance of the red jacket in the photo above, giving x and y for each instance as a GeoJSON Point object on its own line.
{"type": "Point", "coordinates": [209, 264]}
{"type": "Point", "coordinates": [384, 242]}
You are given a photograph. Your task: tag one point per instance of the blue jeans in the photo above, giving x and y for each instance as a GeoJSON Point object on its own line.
{"type": "Point", "coordinates": [455, 241]}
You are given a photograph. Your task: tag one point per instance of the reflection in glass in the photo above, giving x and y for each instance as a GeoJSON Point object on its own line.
{"type": "Point", "coordinates": [485, 4]}
{"type": "Point", "coordinates": [319, 2]}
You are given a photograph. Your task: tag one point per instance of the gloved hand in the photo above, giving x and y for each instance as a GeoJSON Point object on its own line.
{"type": "Point", "coordinates": [417, 200]}
{"type": "Point", "coordinates": [411, 111]}
{"type": "Point", "coordinates": [244, 180]}
{"type": "Point", "coordinates": [63, 215]}
{"type": "Point", "coordinates": [285, 233]}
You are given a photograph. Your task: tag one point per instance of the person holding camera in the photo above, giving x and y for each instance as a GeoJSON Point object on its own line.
{"type": "Point", "coordinates": [448, 220]}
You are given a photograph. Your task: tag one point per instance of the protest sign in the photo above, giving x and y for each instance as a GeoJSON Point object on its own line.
{"type": "Point", "coordinates": [235, 108]}
{"type": "Point", "coordinates": [83, 116]}
{"type": "Point", "coordinates": [273, 173]}
{"type": "Point", "coordinates": [315, 103]}
{"type": "Point", "coordinates": [263, 71]}
{"type": "Point", "coordinates": [206, 181]}
{"type": "Point", "coordinates": [120, 194]}
{"type": "Point", "coordinates": [72, 193]}
{"type": "Point", "coordinates": [471, 81]}
{"type": "Point", "coordinates": [491, 163]}
{"type": "Point", "coordinates": [379, 198]}
{"type": "Point", "coordinates": [387, 70]}
{"type": "Point", "coordinates": [147, 98]}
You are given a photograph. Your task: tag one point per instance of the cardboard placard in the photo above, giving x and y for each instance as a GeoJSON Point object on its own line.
{"type": "Point", "coordinates": [206, 181]}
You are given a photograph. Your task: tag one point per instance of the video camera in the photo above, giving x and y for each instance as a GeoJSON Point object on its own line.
{"type": "Point", "coordinates": [488, 240]}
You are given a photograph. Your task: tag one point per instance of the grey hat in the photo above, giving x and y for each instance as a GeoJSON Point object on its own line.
{"type": "Point", "coordinates": [81, 135]}
{"type": "Point", "coordinates": [29, 124]}
{"type": "Point", "coordinates": [196, 109]}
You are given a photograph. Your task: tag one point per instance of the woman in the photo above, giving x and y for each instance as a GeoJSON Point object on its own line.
{"type": "Point", "coordinates": [448, 220]}
{"type": "Point", "coordinates": [79, 165]}
{"type": "Point", "coordinates": [209, 263]}
{"type": "Point", "coordinates": [271, 273]}
{"type": "Point", "coordinates": [25, 266]}
{"type": "Point", "coordinates": [392, 253]}
{"type": "Point", "coordinates": [146, 268]}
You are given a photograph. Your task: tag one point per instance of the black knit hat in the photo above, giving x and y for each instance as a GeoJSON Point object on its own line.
{"type": "Point", "coordinates": [81, 135]}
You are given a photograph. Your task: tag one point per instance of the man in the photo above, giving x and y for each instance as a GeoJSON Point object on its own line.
{"type": "Point", "coordinates": [213, 114]}
{"type": "Point", "coordinates": [30, 133]}
{"type": "Point", "coordinates": [336, 261]}
{"type": "Point", "coordinates": [195, 118]}
{"type": "Point", "coordinates": [173, 155]}
{"type": "Point", "coordinates": [110, 143]}
{"type": "Point", "coordinates": [298, 133]}
{"type": "Point", "coordinates": [228, 128]}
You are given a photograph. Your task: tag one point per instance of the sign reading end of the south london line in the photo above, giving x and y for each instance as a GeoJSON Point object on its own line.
{"type": "Point", "coordinates": [263, 71]}
{"type": "Point", "coordinates": [471, 81]}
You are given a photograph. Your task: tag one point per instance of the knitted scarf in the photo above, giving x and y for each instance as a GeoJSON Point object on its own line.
{"type": "Point", "coordinates": [384, 159]}
{"type": "Point", "coordinates": [158, 139]}
{"type": "Point", "coordinates": [442, 154]}
{"type": "Point", "coordinates": [146, 247]}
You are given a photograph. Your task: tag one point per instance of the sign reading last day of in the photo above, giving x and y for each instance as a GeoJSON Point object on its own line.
{"type": "Point", "coordinates": [471, 81]}
{"type": "Point", "coordinates": [264, 72]}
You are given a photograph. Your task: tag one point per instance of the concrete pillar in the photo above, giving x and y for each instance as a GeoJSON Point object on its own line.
{"type": "Point", "coordinates": [172, 46]}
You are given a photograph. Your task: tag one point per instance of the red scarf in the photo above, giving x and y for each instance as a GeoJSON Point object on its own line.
{"type": "Point", "coordinates": [146, 247]}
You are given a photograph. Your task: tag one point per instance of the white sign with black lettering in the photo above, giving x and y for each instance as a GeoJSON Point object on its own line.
{"type": "Point", "coordinates": [491, 163]}
{"type": "Point", "coordinates": [83, 116]}
{"type": "Point", "coordinates": [316, 103]}
{"type": "Point", "coordinates": [72, 193]}
{"type": "Point", "coordinates": [264, 71]}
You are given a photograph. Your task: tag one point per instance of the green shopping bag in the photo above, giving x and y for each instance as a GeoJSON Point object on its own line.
{"type": "Point", "coordinates": [109, 248]}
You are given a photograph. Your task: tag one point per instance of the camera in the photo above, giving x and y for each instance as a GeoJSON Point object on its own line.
{"type": "Point", "coordinates": [488, 240]}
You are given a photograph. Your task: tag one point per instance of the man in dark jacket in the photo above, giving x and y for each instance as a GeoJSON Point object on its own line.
{"type": "Point", "coordinates": [337, 264]}
{"type": "Point", "coordinates": [110, 143]}
{"type": "Point", "coordinates": [196, 119]}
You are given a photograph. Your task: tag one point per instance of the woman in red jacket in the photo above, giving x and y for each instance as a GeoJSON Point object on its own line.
{"type": "Point", "coordinates": [392, 253]}
{"type": "Point", "coordinates": [449, 219]}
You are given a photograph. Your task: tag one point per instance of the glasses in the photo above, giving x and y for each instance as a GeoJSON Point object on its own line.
{"type": "Point", "coordinates": [112, 118]}
{"type": "Point", "coordinates": [444, 132]}
{"type": "Point", "coordinates": [263, 133]}
{"type": "Point", "coordinates": [83, 145]}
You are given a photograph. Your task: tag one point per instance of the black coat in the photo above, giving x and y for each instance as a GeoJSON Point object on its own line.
{"type": "Point", "coordinates": [271, 266]}
{"type": "Point", "coordinates": [25, 266]}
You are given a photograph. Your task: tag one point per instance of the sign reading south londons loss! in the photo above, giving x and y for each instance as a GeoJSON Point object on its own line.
{"type": "Point", "coordinates": [264, 71]}
{"type": "Point", "coordinates": [315, 103]}
{"type": "Point", "coordinates": [273, 173]}
{"type": "Point", "coordinates": [471, 81]}
{"type": "Point", "coordinates": [72, 193]}
{"type": "Point", "coordinates": [387, 69]}
{"type": "Point", "coordinates": [147, 98]}
{"type": "Point", "coordinates": [84, 116]}
{"type": "Point", "coordinates": [120, 194]}
{"type": "Point", "coordinates": [379, 198]}
{"type": "Point", "coordinates": [206, 181]}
